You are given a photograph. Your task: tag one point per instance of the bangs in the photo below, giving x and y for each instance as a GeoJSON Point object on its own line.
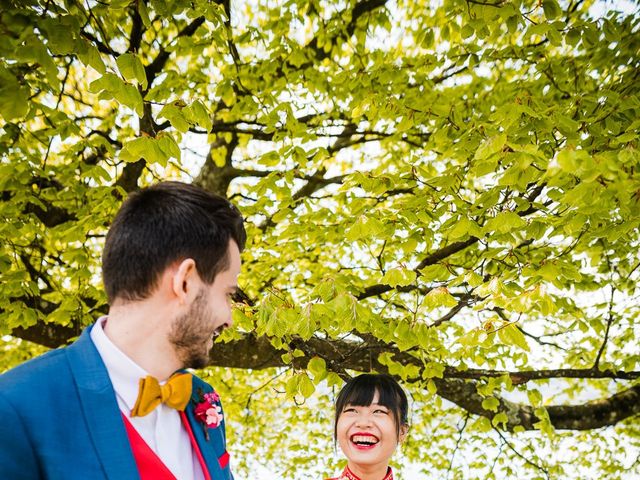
{"type": "Point", "coordinates": [362, 394]}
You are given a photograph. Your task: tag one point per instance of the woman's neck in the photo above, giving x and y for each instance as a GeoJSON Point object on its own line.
{"type": "Point", "coordinates": [369, 472]}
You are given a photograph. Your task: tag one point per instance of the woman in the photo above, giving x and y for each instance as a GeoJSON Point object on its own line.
{"type": "Point", "coordinates": [371, 420]}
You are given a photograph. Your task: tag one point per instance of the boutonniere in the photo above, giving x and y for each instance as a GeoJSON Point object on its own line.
{"type": "Point", "coordinates": [208, 411]}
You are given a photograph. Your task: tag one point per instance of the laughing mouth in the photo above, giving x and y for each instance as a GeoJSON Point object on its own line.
{"type": "Point", "coordinates": [364, 440]}
{"type": "Point", "coordinates": [217, 332]}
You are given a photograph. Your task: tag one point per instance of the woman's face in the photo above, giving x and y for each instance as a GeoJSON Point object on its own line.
{"type": "Point", "coordinates": [367, 435]}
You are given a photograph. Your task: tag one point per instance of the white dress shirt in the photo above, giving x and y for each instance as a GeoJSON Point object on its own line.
{"type": "Point", "coordinates": [161, 429]}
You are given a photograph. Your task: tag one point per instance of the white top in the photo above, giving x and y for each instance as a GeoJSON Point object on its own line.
{"type": "Point", "coordinates": [162, 429]}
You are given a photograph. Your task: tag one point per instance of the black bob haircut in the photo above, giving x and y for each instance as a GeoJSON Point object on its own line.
{"type": "Point", "coordinates": [360, 390]}
{"type": "Point", "coordinates": [164, 223]}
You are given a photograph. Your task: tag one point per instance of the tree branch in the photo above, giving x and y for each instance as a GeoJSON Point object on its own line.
{"type": "Point", "coordinates": [358, 11]}
{"type": "Point", "coordinates": [457, 386]}
{"type": "Point", "coordinates": [137, 29]}
{"type": "Point", "coordinates": [155, 67]}
{"type": "Point", "coordinates": [432, 259]}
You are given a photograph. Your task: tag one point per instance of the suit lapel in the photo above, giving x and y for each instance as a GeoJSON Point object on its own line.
{"type": "Point", "coordinates": [213, 447]}
{"type": "Point", "coordinates": [100, 410]}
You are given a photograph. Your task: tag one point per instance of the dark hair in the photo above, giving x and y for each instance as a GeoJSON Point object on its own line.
{"type": "Point", "coordinates": [164, 223]}
{"type": "Point", "coordinates": [360, 390]}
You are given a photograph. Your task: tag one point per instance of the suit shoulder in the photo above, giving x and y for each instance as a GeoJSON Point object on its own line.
{"type": "Point", "coordinates": [33, 373]}
{"type": "Point", "coordinates": [201, 384]}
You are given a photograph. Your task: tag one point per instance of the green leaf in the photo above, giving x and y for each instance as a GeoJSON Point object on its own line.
{"type": "Point", "coordinates": [398, 277]}
{"type": "Point", "coordinates": [511, 335]}
{"type": "Point", "coordinates": [198, 114]}
{"type": "Point", "coordinates": [535, 397]}
{"type": "Point", "coordinates": [467, 31]}
{"type": "Point", "coordinates": [226, 93]}
{"type": "Point", "coordinates": [129, 96]}
{"type": "Point", "coordinates": [92, 58]}
{"type": "Point", "coordinates": [136, 149]}
{"type": "Point", "coordinates": [566, 125]}
{"type": "Point", "coordinates": [34, 50]}
{"type": "Point", "coordinates": [168, 145]}
{"type": "Point", "coordinates": [306, 386]}
{"type": "Point", "coordinates": [111, 86]}
{"type": "Point", "coordinates": [147, 148]}
{"type": "Point", "coordinates": [365, 227]}
{"type": "Point", "coordinates": [176, 118]}
{"type": "Point", "coordinates": [491, 146]}
{"type": "Point", "coordinates": [504, 222]}
{"type": "Point", "coordinates": [544, 424]}
{"type": "Point", "coordinates": [132, 69]}
{"type": "Point", "coordinates": [59, 35]}
{"type": "Point", "coordinates": [300, 384]}
{"type": "Point", "coordinates": [431, 387]}
{"type": "Point", "coordinates": [433, 370]}
{"type": "Point", "coordinates": [144, 14]}
{"type": "Point", "coordinates": [14, 98]}
{"type": "Point", "coordinates": [318, 368]}
{"type": "Point", "coordinates": [551, 9]}
{"type": "Point", "coordinates": [482, 425]}
{"type": "Point", "coordinates": [439, 297]}
{"type": "Point", "coordinates": [470, 338]}
{"type": "Point", "coordinates": [464, 228]}
{"type": "Point", "coordinates": [491, 404]}
{"type": "Point", "coordinates": [500, 419]}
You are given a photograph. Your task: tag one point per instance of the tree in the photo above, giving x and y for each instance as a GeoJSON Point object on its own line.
{"type": "Point", "coordinates": [447, 192]}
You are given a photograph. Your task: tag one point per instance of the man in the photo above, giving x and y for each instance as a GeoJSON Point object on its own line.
{"type": "Point", "coordinates": [116, 404]}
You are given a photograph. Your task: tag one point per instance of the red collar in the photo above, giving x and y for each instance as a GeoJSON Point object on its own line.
{"type": "Point", "coordinates": [349, 475]}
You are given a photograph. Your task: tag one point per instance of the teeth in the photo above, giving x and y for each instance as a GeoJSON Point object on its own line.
{"type": "Point", "coordinates": [217, 331]}
{"type": "Point", "coordinates": [364, 439]}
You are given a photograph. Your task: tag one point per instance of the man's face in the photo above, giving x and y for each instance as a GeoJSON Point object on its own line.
{"type": "Point", "coordinates": [192, 334]}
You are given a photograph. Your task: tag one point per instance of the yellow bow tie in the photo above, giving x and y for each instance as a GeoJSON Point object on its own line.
{"type": "Point", "coordinates": [175, 393]}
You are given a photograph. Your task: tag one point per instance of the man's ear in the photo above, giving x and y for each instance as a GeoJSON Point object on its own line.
{"type": "Point", "coordinates": [183, 278]}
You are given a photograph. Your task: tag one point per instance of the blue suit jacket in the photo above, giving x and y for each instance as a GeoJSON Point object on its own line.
{"type": "Point", "coordinates": [59, 420]}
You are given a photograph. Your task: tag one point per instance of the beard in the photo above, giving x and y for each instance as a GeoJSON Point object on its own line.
{"type": "Point", "coordinates": [191, 332]}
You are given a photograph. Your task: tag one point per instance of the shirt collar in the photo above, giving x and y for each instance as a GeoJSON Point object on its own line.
{"type": "Point", "coordinates": [349, 475]}
{"type": "Point", "coordinates": [125, 374]}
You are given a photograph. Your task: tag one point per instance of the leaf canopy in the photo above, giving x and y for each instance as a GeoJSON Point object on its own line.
{"type": "Point", "coordinates": [445, 191]}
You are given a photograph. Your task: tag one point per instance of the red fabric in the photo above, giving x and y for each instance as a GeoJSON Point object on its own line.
{"type": "Point", "coordinates": [149, 465]}
{"type": "Point", "coordinates": [224, 460]}
{"type": "Point", "coordinates": [194, 445]}
{"type": "Point", "coordinates": [349, 475]}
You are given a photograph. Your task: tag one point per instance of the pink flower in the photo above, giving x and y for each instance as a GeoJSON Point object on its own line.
{"type": "Point", "coordinates": [208, 411]}
{"type": "Point", "coordinates": [212, 397]}
{"type": "Point", "coordinates": [214, 417]}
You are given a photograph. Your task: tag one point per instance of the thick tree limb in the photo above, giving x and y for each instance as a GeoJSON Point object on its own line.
{"type": "Point", "coordinates": [137, 29]}
{"type": "Point", "coordinates": [51, 335]}
{"type": "Point", "coordinates": [345, 355]}
{"type": "Point", "coordinates": [457, 386]}
{"type": "Point", "coordinates": [50, 215]}
{"type": "Point", "coordinates": [128, 180]}
{"type": "Point", "coordinates": [216, 178]}
{"type": "Point", "coordinates": [101, 46]}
